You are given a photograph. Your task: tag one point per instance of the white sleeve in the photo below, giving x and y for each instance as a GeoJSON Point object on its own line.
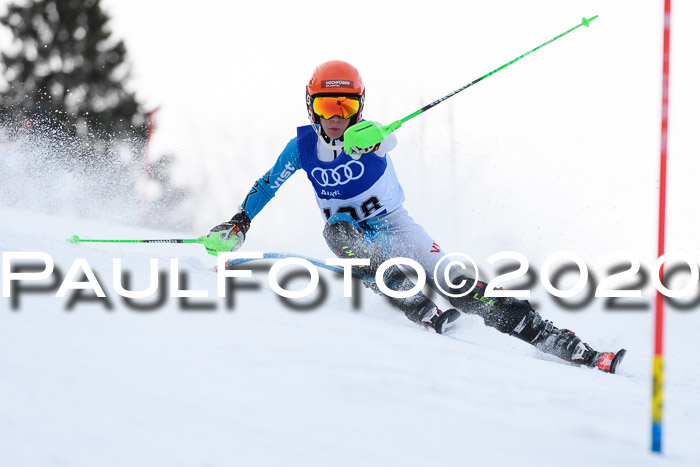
{"type": "Point", "coordinates": [387, 145]}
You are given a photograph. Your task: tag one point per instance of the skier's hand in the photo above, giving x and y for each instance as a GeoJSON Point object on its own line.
{"type": "Point", "coordinates": [236, 227]}
{"type": "Point", "coordinates": [356, 152]}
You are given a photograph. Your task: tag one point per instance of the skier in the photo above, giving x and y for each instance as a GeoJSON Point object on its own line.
{"type": "Point", "coordinates": [361, 200]}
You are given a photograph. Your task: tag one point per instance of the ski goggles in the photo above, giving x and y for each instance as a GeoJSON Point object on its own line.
{"type": "Point", "coordinates": [330, 106]}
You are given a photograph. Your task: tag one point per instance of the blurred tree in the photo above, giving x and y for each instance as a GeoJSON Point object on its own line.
{"type": "Point", "coordinates": [64, 83]}
{"type": "Point", "coordinates": [67, 72]}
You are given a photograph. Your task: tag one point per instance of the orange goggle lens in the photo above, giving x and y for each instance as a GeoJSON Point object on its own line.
{"type": "Point", "coordinates": [342, 106]}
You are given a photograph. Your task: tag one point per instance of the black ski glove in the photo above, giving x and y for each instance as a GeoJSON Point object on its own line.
{"type": "Point", "coordinates": [237, 226]}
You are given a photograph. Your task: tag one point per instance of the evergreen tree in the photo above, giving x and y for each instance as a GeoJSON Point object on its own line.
{"type": "Point", "coordinates": [67, 71]}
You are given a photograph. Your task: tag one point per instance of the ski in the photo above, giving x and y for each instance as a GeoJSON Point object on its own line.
{"type": "Point", "coordinates": [230, 264]}
{"type": "Point", "coordinates": [608, 361]}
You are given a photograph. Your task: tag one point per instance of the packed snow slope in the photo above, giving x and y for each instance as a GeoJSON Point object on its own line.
{"type": "Point", "coordinates": [97, 382]}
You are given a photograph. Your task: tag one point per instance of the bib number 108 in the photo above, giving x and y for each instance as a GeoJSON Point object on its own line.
{"type": "Point", "coordinates": [367, 207]}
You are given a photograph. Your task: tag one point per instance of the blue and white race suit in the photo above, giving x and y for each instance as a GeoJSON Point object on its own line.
{"type": "Point", "coordinates": [366, 189]}
{"type": "Point", "coordinates": [362, 188]}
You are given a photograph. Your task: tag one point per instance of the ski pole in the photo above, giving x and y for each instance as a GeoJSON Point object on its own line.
{"type": "Point", "coordinates": [368, 134]}
{"type": "Point", "coordinates": [213, 243]}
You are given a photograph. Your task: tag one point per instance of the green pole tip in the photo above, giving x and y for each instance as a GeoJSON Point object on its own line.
{"type": "Point", "coordinates": [587, 22]}
{"type": "Point", "coordinates": [74, 239]}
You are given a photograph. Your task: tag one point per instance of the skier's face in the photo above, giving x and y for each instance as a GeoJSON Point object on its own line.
{"type": "Point", "coordinates": [335, 126]}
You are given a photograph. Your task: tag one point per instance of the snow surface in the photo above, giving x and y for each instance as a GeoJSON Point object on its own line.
{"type": "Point", "coordinates": [262, 384]}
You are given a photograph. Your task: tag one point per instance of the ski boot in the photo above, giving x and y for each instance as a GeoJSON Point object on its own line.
{"type": "Point", "coordinates": [564, 344]}
{"type": "Point", "coordinates": [582, 353]}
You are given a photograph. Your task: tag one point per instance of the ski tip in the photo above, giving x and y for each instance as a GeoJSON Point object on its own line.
{"type": "Point", "coordinates": [73, 239]}
{"type": "Point", "coordinates": [616, 360]}
{"type": "Point", "coordinates": [587, 22]}
{"type": "Point", "coordinates": [446, 320]}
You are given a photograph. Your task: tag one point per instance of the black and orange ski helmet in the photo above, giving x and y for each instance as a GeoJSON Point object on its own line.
{"type": "Point", "coordinates": [332, 79]}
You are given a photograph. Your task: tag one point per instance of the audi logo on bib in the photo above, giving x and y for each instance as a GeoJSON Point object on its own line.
{"type": "Point", "coordinates": [340, 175]}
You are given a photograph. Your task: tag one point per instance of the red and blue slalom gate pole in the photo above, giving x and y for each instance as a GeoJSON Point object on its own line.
{"type": "Point", "coordinates": [658, 368]}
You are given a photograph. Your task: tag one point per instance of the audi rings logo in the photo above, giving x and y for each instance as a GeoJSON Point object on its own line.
{"type": "Point", "coordinates": [340, 175]}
